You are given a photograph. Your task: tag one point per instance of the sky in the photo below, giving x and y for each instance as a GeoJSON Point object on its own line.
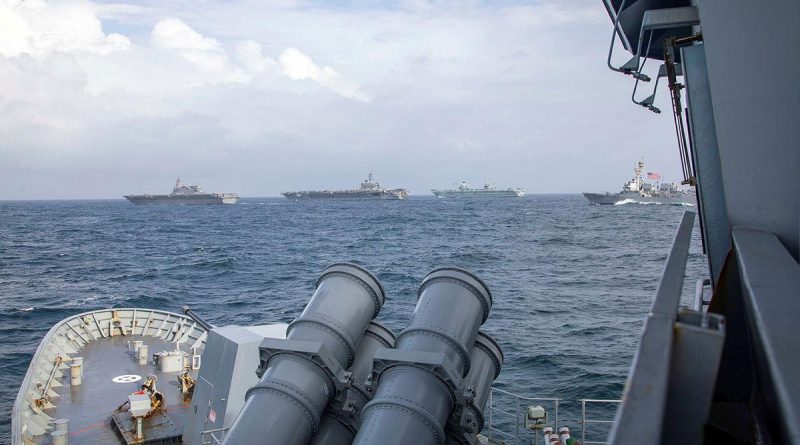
{"type": "Point", "coordinates": [100, 99]}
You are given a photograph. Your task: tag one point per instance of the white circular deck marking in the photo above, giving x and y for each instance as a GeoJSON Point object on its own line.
{"type": "Point", "coordinates": [127, 378]}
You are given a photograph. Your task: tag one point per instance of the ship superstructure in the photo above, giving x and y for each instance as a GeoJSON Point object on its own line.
{"type": "Point", "coordinates": [369, 189]}
{"type": "Point", "coordinates": [637, 190]}
{"type": "Point", "coordinates": [487, 191]}
{"type": "Point", "coordinates": [185, 194]}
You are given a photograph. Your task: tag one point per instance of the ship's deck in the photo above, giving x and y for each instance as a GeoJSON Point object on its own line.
{"type": "Point", "coordinates": [89, 406]}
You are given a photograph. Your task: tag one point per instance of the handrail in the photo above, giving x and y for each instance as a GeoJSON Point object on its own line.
{"type": "Point", "coordinates": [585, 421]}
{"type": "Point", "coordinates": [648, 380]}
{"type": "Point", "coordinates": [210, 433]}
{"type": "Point", "coordinates": [770, 279]}
{"type": "Point", "coordinates": [515, 437]}
{"type": "Point", "coordinates": [21, 402]}
{"type": "Point", "coordinates": [517, 400]}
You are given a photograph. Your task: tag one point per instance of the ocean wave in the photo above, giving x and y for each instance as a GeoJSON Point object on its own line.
{"type": "Point", "coordinates": [569, 290]}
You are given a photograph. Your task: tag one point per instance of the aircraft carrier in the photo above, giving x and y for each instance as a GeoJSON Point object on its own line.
{"type": "Point", "coordinates": [638, 191]}
{"type": "Point", "coordinates": [183, 195]}
{"type": "Point", "coordinates": [488, 191]}
{"type": "Point", "coordinates": [369, 189]}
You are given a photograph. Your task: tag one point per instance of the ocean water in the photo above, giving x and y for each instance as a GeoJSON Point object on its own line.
{"type": "Point", "coordinates": [572, 282]}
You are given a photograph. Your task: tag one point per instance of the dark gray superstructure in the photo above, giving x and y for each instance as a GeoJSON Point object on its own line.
{"type": "Point", "coordinates": [185, 194]}
{"type": "Point", "coordinates": [724, 369]}
{"type": "Point", "coordinates": [369, 189]}
{"type": "Point", "coordinates": [636, 190]}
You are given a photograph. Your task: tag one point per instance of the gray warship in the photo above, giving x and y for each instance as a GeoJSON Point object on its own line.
{"type": "Point", "coordinates": [638, 191]}
{"type": "Point", "coordinates": [185, 194]}
{"type": "Point", "coordinates": [717, 366]}
{"type": "Point", "coordinates": [487, 191]}
{"type": "Point", "coordinates": [369, 189]}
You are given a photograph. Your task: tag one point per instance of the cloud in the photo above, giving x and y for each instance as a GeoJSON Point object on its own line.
{"type": "Point", "coordinates": [37, 28]}
{"type": "Point", "coordinates": [264, 96]}
{"type": "Point", "coordinates": [298, 66]}
{"type": "Point", "coordinates": [172, 33]}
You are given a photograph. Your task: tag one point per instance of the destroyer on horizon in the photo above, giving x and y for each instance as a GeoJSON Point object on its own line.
{"type": "Point", "coordinates": [636, 190]}
{"type": "Point", "coordinates": [370, 189]}
{"type": "Point", "coordinates": [185, 194]}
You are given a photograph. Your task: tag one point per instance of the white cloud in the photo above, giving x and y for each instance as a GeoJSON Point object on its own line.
{"type": "Point", "coordinates": [252, 91]}
{"type": "Point", "coordinates": [38, 28]}
{"type": "Point", "coordinates": [298, 66]}
{"type": "Point", "coordinates": [172, 33]}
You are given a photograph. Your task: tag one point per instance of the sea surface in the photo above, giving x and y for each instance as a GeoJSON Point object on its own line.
{"type": "Point", "coordinates": [572, 282]}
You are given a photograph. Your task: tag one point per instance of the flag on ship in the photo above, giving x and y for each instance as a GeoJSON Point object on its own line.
{"type": "Point", "coordinates": [654, 175]}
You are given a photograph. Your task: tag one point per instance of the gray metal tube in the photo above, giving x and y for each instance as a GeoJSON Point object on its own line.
{"type": "Point", "coordinates": [61, 425]}
{"type": "Point", "coordinates": [375, 336]}
{"type": "Point", "coordinates": [487, 359]}
{"type": "Point", "coordinates": [198, 319]}
{"type": "Point", "coordinates": [412, 403]}
{"type": "Point", "coordinates": [334, 430]}
{"type": "Point", "coordinates": [339, 428]}
{"type": "Point", "coordinates": [60, 437]}
{"type": "Point", "coordinates": [285, 406]}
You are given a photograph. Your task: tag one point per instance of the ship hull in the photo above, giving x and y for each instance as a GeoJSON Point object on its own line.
{"type": "Point", "coordinates": [343, 195]}
{"type": "Point", "coordinates": [204, 199]}
{"type": "Point", "coordinates": [490, 194]}
{"type": "Point", "coordinates": [621, 198]}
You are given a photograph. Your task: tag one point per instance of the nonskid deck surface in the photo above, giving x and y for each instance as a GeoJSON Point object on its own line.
{"type": "Point", "coordinates": [89, 406]}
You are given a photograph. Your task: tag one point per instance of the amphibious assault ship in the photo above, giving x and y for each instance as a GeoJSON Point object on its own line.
{"type": "Point", "coordinates": [716, 370]}
{"type": "Point", "coordinates": [488, 191]}
{"type": "Point", "coordinates": [369, 189]}
{"type": "Point", "coordinates": [636, 190]}
{"type": "Point", "coordinates": [185, 194]}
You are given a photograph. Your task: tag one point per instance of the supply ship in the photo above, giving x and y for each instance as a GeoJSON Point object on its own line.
{"type": "Point", "coordinates": [369, 189]}
{"type": "Point", "coordinates": [185, 194]}
{"type": "Point", "coordinates": [488, 191]}
{"type": "Point", "coordinates": [718, 366]}
{"type": "Point", "coordinates": [636, 190]}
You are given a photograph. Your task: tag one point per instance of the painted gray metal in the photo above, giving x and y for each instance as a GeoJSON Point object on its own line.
{"type": "Point", "coordinates": [342, 417]}
{"type": "Point", "coordinates": [375, 336]}
{"type": "Point", "coordinates": [100, 337]}
{"type": "Point", "coordinates": [648, 380]}
{"type": "Point", "coordinates": [302, 373]}
{"type": "Point", "coordinates": [668, 294]}
{"type": "Point", "coordinates": [756, 111]}
{"type": "Point", "coordinates": [219, 393]}
{"type": "Point", "coordinates": [197, 318]}
{"type": "Point", "coordinates": [628, 16]}
{"type": "Point", "coordinates": [771, 284]}
{"type": "Point", "coordinates": [696, 353]}
{"type": "Point", "coordinates": [420, 382]}
{"type": "Point", "coordinates": [487, 359]}
{"type": "Point", "coordinates": [705, 156]}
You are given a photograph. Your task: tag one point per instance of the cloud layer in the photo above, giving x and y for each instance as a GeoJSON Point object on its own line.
{"type": "Point", "coordinates": [100, 99]}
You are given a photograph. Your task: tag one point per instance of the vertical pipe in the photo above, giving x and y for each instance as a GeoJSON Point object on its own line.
{"type": "Point", "coordinates": [285, 407]}
{"type": "Point", "coordinates": [61, 425]}
{"type": "Point", "coordinates": [60, 438]}
{"type": "Point", "coordinates": [516, 425]}
{"type": "Point", "coordinates": [142, 354]}
{"type": "Point", "coordinates": [583, 421]}
{"type": "Point", "coordinates": [75, 374]}
{"type": "Point", "coordinates": [491, 412]}
{"type": "Point", "coordinates": [555, 423]}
